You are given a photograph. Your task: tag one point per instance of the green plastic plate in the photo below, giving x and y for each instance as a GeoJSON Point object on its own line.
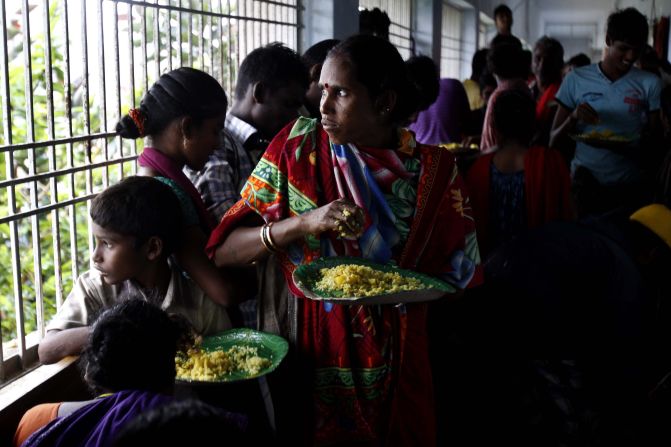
{"type": "Point", "coordinates": [270, 346]}
{"type": "Point", "coordinates": [306, 277]}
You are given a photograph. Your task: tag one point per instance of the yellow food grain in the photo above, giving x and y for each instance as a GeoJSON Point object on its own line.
{"type": "Point", "coordinates": [605, 134]}
{"type": "Point", "coordinates": [360, 280]}
{"type": "Point", "coordinates": [197, 364]}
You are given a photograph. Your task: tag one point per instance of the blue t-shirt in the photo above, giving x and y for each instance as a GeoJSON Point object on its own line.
{"type": "Point", "coordinates": [622, 105]}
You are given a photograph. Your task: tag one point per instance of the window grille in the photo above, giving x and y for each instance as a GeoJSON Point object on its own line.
{"type": "Point", "coordinates": [400, 15]}
{"type": "Point", "coordinates": [68, 70]}
{"type": "Point", "coordinates": [450, 49]}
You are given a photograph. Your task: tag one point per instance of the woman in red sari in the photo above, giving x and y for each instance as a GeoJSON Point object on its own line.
{"type": "Point", "coordinates": [398, 201]}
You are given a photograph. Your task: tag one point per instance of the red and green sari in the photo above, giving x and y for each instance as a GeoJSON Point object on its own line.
{"type": "Point", "coordinates": [371, 382]}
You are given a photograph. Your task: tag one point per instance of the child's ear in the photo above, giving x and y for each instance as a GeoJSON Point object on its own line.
{"type": "Point", "coordinates": [186, 126]}
{"type": "Point", "coordinates": [386, 102]}
{"type": "Point", "coordinates": [259, 93]}
{"type": "Point", "coordinates": [154, 248]}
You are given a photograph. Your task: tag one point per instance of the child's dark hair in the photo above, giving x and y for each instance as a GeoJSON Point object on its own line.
{"type": "Point", "coordinates": [579, 60]}
{"type": "Point", "coordinates": [479, 63]}
{"type": "Point", "coordinates": [132, 346]}
{"type": "Point", "coordinates": [487, 80]}
{"type": "Point", "coordinates": [140, 207]}
{"type": "Point", "coordinates": [514, 116]}
{"type": "Point", "coordinates": [186, 422]}
{"type": "Point", "coordinates": [181, 92]}
{"type": "Point", "coordinates": [375, 22]}
{"type": "Point", "coordinates": [508, 61]}
{"type": "Point", "coordinates": [627, 25]}
{"type": "Point", "coordinates": [379, 67]}
{"type": "Point", "coordinates": [423, 73]}
{"type": "Point", "coordinates": [316, 55]}
{"type": "Point", "coordinates": [502, 10]}
{"type": "Point", "coordinates": [273, 65]}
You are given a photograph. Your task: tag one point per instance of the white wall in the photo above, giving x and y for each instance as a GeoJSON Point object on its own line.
{"type": "Point", "coordinates": [542, 13]}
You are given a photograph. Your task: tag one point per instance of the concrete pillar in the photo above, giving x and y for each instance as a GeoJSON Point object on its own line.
{"type": "Point", "coordinates": [428, 16]}
{"type": "Point", "coordinates": [327, 19]}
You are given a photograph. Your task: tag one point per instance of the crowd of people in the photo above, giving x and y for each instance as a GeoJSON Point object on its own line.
{"type": "Point", "coordinates": [554, 234]}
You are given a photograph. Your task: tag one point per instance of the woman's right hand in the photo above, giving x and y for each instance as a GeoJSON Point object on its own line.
{"type": "Point", "coordinates": [585, 113]}
{"type": "Point", "coordinates": [340, 216]}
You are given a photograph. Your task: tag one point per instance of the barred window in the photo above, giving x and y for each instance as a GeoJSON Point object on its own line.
{"type": "Point", "coordinates": [450, 50]}
{"type": "Point", "coordinates": [69, 69]}
{"type": "Point", "coordinates": [400, 15]}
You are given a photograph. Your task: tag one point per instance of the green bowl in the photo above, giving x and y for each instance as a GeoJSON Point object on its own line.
{"type": "Point", "coordinates": [306, 277]}
{"type": "Point", "coordinates": [270, 346]}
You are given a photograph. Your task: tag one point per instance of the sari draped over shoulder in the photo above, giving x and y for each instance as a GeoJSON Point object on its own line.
{"type": "Point", "coordinates": [97, 423]}
{"type": "Point", "coordinates": [164, 165]}
{"type": "Point", "coordinates": [372, 381]}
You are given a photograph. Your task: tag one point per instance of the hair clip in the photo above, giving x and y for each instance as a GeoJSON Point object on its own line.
{"type": "Point", "coordinates": [138, 118]}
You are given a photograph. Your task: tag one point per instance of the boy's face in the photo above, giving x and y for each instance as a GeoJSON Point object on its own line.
{"type": "Point", "coordinates": [204, 140]}
{"type": "Point", "coordinates": [504, 22]}
{"type": "Point", "coordinates": [621, 55]}
{"type": "Point", "coordinates": [115, 256]}
{"type": "Point", "coordinates": [277, 108]}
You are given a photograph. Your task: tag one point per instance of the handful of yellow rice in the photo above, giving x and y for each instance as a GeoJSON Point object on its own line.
{"type": "Point", "coordinates": [197, 364]}
{"type": "Point", "coordinates": [360, 280]}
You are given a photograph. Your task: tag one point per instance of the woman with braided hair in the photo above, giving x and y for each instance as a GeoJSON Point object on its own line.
{"type": "Point", "coordinates": [181, 118]}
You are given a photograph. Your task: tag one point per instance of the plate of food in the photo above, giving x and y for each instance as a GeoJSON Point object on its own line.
{"type": "Point", "coordinates": [346, 280]}
{"type": "Point", "coordinates": [459, 148]}
{"type": "Point", "coordinates": [230, 356]}
{"type": "Point", "coordinates": [605, 138]}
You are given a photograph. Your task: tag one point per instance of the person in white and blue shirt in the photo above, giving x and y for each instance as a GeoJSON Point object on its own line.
{"type": "Point", "coordinates": [615, 97]}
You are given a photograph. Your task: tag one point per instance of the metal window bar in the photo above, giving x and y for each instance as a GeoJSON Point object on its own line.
{"type": "Point", "coordinates": [400, 29]}
{"type": "Point", "coordinates": [59, 104]}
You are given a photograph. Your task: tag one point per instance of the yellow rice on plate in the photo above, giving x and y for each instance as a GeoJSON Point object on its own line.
{"type": "Point", "coordinates": [360, 280]}
{"type": "Point", "coordinates": [197, 364]}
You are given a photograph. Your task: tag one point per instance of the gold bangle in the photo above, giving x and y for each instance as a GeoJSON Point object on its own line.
{"type": "Point", "coordinates": [262, 234]}
{"type": "Point", "coordinates": [269, 238]}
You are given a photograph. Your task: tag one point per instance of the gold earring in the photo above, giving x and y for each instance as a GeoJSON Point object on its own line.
{"type": "Point", "coordinates": [185, 143]}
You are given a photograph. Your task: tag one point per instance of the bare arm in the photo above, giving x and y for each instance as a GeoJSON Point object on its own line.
{"type": "Point", "coordinates": [565, 120]}
{"type": "Point", "coordinates": [243, 246]}
{"type": "Point", "coordinates": [193, 260]}
{"type": "Point", "coordinates": [58, 344]}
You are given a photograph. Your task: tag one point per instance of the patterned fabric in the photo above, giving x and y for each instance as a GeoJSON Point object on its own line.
{"type": "Point", "coordinates": [167, 167]}
{"type": "Point", "coordinates": [372, 381]}
{"type": "Point", "coordinates": [507, 208]}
